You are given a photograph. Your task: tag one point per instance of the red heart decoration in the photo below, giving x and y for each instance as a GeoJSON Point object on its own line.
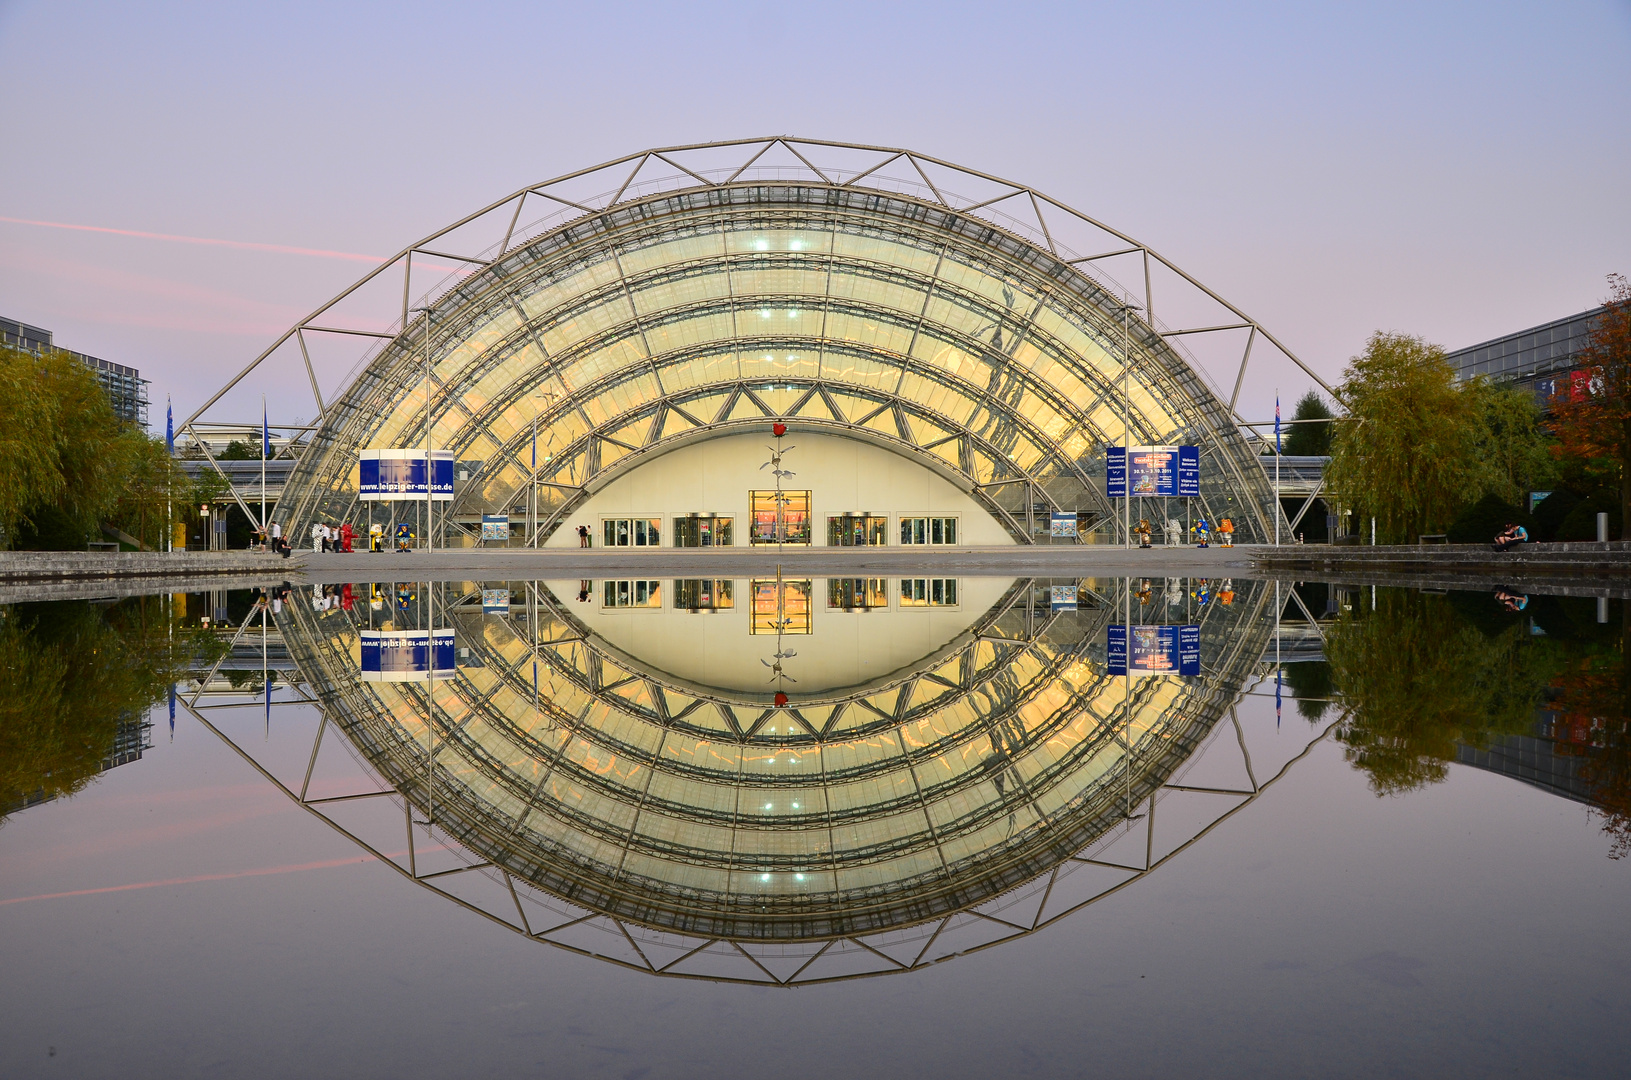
{"type": "Point", "coordinates": [781, 698]}
{"type": "Point", "coordinates": [778, 430]}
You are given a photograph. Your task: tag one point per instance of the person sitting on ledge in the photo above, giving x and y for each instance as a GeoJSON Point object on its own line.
{"type": "Point", "coordinates": [1511, 537]}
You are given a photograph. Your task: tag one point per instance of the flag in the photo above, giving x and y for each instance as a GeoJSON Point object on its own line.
{"type": "Point", "coordinates": [169, 427]}
{"type": "Point", "coordinates": [1277, 700]}
{"type": "Point", "coordinates": [172, 712]}
{"type": "Point", "coordinates": [266, 433]}
{"type": "Point", "coordinates": [1276, 423]}
{"type": "Point", "coordinates": [535, 447]}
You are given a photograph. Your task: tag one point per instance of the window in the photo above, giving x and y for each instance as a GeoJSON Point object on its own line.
{"type": "Point", "coordinates": [631, 532]}
{"type": "Point", "coordinates": [780, 606]}
{"type": "Point", "coordinates": [857, 530]}
{"type": "Point", "coordinates": [857, 593]}
{"type": "Point", "coordinates": [928, 530]}
{"type": "Point", "coordinates": [702, 530]}
{"type": "Point", "coordinates": [704, 594]}
{"type": "Point", "coordinates": [780, 517]}
{"type": "Point", "coordinates": [928, 592]}
{"type": "Point", "coordinates": [633, 594]}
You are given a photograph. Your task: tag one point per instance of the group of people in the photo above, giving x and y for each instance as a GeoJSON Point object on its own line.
{"type": "Point", "coordinates": [271, 539]}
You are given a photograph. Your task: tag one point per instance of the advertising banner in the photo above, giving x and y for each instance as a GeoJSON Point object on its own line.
{"type": "Point", "coordinates": [495, 526]}
{"type": "Point", "coordinates": [1062, 524]}
{"type": "Point", "coordinates": [406, 655]}
{"type": "Point", "coordinates": [495, 601]}
{"type": "Point", "coordinates": [1154, 471]}
{"type": "Point", "coordinates": [1153, 650]}
{"type": "Point", "coordinates": [1062, 597]}
{"type": "Point", "coordinates": [400, 474]}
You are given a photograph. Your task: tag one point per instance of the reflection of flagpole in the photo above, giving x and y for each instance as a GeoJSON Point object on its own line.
{"type": "Point", "coordinates": [1277, 510]}
{"type": "Point", "coordinates": [1277, 667]}
{"type": "Point", "coordinates": [266, 446]}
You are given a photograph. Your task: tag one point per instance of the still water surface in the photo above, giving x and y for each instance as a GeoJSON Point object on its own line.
{"type": "Point", "coordinates": [935, 826]}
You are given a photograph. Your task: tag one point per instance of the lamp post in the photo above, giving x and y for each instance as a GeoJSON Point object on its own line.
{"type": "Point", "coordinates": [1127, 308]}
{"type": "Point", "coordinates": [430, 468]}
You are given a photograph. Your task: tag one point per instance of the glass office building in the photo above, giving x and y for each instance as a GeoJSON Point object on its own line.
{"type": "Point", "coordinates": [1534, 358]}
{"type": "Point", "coordinates": [125, 387]}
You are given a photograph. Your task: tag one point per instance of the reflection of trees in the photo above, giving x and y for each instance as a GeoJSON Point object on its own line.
{"type": "Point", "coordinates": [1591, 703]}
{"type": "Point", "coordinates": [71, 674]}
{"type": "Point", "coordinates": [1416, 679]}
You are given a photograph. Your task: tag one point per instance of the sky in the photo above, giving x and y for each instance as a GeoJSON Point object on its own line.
{"type": "Point", "coordinates": [1453, 170]}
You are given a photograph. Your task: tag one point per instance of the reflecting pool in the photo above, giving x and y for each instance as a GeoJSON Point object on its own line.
{"type": "Point", "coordinates": [1227, 826]}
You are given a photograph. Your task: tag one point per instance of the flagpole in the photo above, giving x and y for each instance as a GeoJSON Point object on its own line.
{"type": "Point", "coordinates": [169, 477]}
{"type": "Point", "coordinates": [266, 438]}
{"type": "Point", "coordinates": [1277, 510]}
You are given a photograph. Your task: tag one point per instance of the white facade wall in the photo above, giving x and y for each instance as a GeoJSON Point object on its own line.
{"type": "Point", "coordinates": [842, 476]}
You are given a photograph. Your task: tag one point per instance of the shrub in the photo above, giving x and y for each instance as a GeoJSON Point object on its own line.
{"type": "Point", "coordinates": [1550, 512]}
{"type": "Point", "coordinates": [1479, 523]}
{"type": "Point", "coordinates": [1581, 522]}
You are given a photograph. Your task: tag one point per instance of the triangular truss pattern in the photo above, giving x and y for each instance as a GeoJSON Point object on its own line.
{"type": "Point", "coordinates": [337, 787]}
{"type": "Point", "coordinates": [385, 303]}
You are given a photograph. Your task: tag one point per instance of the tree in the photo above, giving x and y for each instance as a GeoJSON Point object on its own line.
{"type": "Point", "coordinates": [1513, 444]}
{"type": "Point", "coordinates": [1597, 426]}
{"type": "Point", "coordinates": [1416, 678]}
{"type": "Point", "coordinates": [1410, 453]}
{"type": "Point", "coordinates": [1310, 439]}
{"type": "Point", "coordinates": [68, 464]}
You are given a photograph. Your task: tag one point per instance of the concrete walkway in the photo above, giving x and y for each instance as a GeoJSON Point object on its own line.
{"type": "Point", "coordinates": [517, 564]}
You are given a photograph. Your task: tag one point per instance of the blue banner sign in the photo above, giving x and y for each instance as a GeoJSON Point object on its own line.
{"type": "Point", "coordinates": [1062, 524]}
{"type": "Point", "coordinates": [1155, 650]}
{"type": "Point", "coordinates": [495, 526]}
{"type": "Point", "coordinates": [1155, 471]}
{"type": "Point", "coordinates": [385, 475]}
{"type": "Point", "coordinates": [406, 655]}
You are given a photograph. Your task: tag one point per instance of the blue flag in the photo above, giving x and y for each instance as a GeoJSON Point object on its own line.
{"type": "Point", "coordinates": [266, 434]}
{"type": "Point", "coordinates": [1276, 423]}
{"type": "Point", "coordinates": [172, 712]}
{"type": "Point", "coordinates": [169, 427]}
{"type": "Point", "coordinates": [1276, 700]}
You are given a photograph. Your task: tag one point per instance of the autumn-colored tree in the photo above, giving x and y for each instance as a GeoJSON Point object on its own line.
{"type": "Point", "coordinates": [1596, 426]}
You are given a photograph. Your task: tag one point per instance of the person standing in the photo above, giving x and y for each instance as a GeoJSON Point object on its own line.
{"type": "Point", "coordinates": [583, 536]}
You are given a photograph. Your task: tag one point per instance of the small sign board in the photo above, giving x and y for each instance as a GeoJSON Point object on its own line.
{"type": "Point", "coordinates": [495, 601]}
{"type": "Point", "coordinates": [1062, 597]}
{"type": "Point", "coordinates": [1062, 523]}
{"type": "Point", "coordinates": [495, 527]}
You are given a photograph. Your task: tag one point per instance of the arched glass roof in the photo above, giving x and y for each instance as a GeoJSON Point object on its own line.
{"type": "Point", "coordinates": [671, 310]}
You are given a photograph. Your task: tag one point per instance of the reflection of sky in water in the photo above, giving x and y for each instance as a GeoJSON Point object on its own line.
{"type": "Point", "coordinates": [1315, 911]}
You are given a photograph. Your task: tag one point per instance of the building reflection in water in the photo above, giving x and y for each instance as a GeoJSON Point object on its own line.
{"type": "Point", "coordinates": [928, 766]}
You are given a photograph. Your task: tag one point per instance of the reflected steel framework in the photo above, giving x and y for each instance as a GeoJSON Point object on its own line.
{"type": "Point", "coordinates": [1069, 773]}
{"type": "Point", "coordinates": [963, 321]}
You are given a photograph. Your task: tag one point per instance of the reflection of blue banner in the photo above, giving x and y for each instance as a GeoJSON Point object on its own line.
{"type": "Point", "coordinates": [1155, 471]}
{"type": "Point", "coordinates": [400, 474]}
{"type": "Point", "coordinates": [495, 601]}
{"type": "Point", "coordinates": [404, 655]}
{"type": "Point", "coordinates": [1062, 597]}
{"type": "Point", "coordinates": [1155, 650]}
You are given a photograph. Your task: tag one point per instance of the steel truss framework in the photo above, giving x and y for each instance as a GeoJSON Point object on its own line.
{"type": "Point", "coordinates": [1189, 779]}
{"type": "Point", "coordinates": [962, 320]}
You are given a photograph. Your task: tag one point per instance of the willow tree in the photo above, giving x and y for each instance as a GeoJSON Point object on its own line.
{"type": "Point", "coordinates": [1409, 455]}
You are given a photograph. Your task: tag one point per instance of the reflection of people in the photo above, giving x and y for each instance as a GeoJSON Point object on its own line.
{"type": "Point", "coordinates": [1511, 537]}
{"type": "Point", "coordinates": [584, 586]}
{"type": "Point", "coordinates": [1226, 591]}
{"type": "Point", "coordinates": [1510, 600]}
{"type": "Point", "coordinates": [1144, 591]}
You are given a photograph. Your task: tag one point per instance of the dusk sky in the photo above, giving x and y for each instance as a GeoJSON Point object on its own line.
{"type": "Point", "coordinates": [1457, 171]}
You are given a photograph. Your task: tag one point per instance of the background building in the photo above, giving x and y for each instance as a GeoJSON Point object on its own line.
{"type": "Point", "coordinates": [126, 388]}
{"type": "Point", "coordinates": [1535, 358]}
